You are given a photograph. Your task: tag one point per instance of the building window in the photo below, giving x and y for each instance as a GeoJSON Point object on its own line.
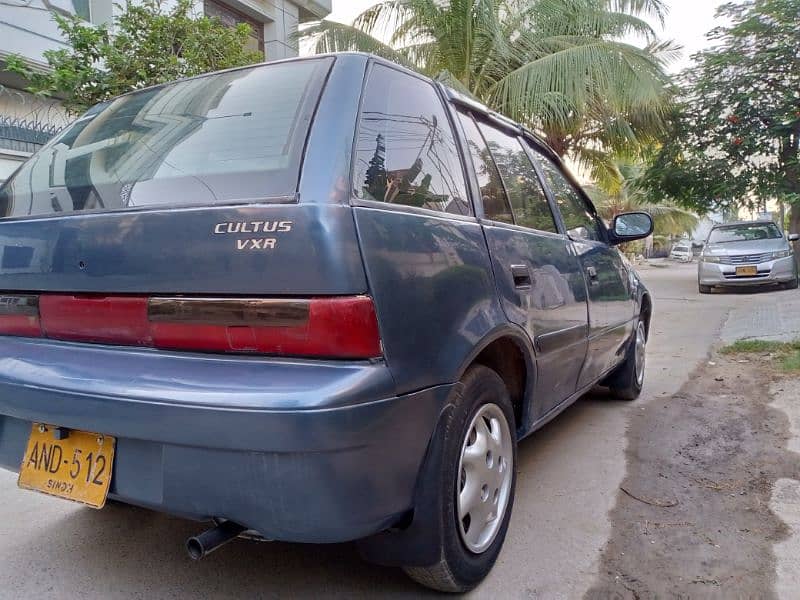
{"type": "Point", "coordinates": [82, 9]}
{"type": "Point", "coordinates": [232, 18]}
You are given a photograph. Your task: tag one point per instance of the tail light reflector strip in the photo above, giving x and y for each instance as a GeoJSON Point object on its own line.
{"type": "Point", "coordinates": [334, 327]}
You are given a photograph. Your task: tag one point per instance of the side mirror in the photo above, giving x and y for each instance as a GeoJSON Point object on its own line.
{"type": "Point", "coordinates": [793, 237]}
{"type": "Point", "coordinates": [628, 227]}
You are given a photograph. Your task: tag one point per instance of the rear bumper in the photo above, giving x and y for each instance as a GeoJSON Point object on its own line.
{"type": "Point", "coordinates": [781, 270]}
{"type": "Point", "coordinates": [297, 450]}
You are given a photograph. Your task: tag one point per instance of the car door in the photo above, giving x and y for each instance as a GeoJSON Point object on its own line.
{"type": "Point", "coordinates": [538, 275]}
{"type": "Point", "coordinates": [611, 305]}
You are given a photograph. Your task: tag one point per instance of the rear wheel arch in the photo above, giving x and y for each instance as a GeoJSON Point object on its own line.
{"type": "Point", "coordinates": [508, 353]}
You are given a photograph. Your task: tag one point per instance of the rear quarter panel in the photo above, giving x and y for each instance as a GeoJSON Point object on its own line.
{"type": "Point", "coordinates": [434, 293]}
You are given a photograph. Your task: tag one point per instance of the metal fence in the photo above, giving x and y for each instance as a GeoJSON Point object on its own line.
{"type": "Point", "coordinates": [25, 135]}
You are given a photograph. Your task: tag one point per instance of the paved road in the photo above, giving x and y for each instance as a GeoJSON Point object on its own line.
{"type": "Point", "coordinates": [569, 475]}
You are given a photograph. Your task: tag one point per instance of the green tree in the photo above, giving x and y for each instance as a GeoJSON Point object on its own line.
{"type": "Point", "coordinates": [556, 65]}
{"type": "Point", "coordinates": [148, 43]}
{"type": "Point", "coordinates": [736, 132]}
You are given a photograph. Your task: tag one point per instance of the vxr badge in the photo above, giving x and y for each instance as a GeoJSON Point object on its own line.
{"type": "Point", "coordinates": [253, 227]}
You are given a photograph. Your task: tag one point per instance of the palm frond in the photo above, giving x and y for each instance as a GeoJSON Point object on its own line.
{"type": "Point", "coordinates": [556, 65]}
{"type": "Point", "coordinates": [330, 36]}
{"type": "Point", "coordinates": [652, 8]}
{"type": "Point", "coordinates": [627, 77]}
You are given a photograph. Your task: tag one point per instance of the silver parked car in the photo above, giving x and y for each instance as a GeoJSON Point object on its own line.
{"type": "Point", "coordinates": [747, 253]}
{"type": "Point", "coordinates": [682, 251]}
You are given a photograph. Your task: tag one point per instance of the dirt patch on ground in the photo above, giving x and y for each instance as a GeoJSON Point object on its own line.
{"type": "Point", "coordinates": [692, 518]}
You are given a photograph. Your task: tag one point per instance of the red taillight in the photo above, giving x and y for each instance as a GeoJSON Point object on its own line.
{"type": "Point", "coordinates": [98, 319]}
{"type": "Point", "coordinates": [19, 315]}
{"type": "Point", "coordinates": [337, 327]}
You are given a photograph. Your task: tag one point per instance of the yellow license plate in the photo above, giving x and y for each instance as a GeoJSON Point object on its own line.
{"type": "Point", "coordinates": [746, 271]}
{"type": "Point", "coordinates": [75, 465]}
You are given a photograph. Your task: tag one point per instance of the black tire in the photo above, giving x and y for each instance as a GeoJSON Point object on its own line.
{"type": "Point", "coordinates": [459, 569]}
{"type": "Point", "coordinates": [791, 285]}
{"type": "Point", "coordinates": [704, 289]}
{"type": "Point", "coordinates": [625, 383]}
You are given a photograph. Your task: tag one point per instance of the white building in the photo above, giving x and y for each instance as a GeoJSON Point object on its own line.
{"type": "Point", "coordinates": [27, 29]}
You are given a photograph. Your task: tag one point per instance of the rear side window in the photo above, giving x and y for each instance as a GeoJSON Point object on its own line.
{"type": "Point", "coordinates": [406, 151]}
{"type": "Point", "coordinates": [493, 194]}
{"type": "Point", "coordinates": [528, 201]}
{"type": "Point", "coordinates": [236, 135]}
{"type": "Point", "coordinates": [578, 218]}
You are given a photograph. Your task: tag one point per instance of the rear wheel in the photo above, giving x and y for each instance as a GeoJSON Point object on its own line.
{"type": "Point", "coordinates": [704, 289]}
{"type": "Point", "coordinates": [477, 484]}
{"type": "Point", "coordinates": [627, 381]}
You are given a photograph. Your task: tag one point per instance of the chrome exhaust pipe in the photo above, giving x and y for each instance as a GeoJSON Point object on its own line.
{"type": "Point", "coordinates": [208, 541]}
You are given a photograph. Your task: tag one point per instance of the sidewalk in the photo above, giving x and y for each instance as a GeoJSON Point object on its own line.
{"type": "Point", "coordinates": [767, 316]}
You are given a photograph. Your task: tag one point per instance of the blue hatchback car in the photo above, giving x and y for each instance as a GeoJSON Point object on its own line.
{"type": "Point", "coordinates": [316, 300]}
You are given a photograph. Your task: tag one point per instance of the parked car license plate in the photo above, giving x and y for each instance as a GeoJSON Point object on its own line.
{"type": "Point", "coordinates": [746, 271]}
{"type": "Point", "coordinates": [76, 467]}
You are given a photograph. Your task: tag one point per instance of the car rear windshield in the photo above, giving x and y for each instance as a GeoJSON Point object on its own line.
{"type": "Point", "coordinates": [744, 233]}
{"type": "Point", "coordinates": [230, 136]}
{"type": "Point", "coordinates": [681, 249]}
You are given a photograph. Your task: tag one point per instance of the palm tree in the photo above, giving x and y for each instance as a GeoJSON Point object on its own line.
{"type": "Point", "coordinates": [557, 65]}
{"type": "Point", "coordinates": [624, 193]}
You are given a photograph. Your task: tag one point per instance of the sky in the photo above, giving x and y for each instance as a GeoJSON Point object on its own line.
{"type": "Point", "coordinates": [687, 23]}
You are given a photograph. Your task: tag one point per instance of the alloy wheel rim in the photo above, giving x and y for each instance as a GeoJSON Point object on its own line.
{"type": "Point", "coordinates": [640, 353]}
{"type": "Point", "coordinates": [484, 478]}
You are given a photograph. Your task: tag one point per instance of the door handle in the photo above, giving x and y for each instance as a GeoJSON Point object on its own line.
{"type": "Point", "coordinates": [592, 273]}
{"type": "Point", "coordinates": [522, 277]}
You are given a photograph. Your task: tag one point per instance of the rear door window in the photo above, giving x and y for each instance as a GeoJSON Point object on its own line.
{"type": "Point", "coordinates": [235, 135]}
{"type": "Point", "coordinates": [493, 194]}
{"type": "Point", "coordinates": [406, 150]}
{"type": "Point", "coordinates": [528, 200]}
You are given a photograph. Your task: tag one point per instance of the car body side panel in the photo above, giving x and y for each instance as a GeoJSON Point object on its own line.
{"type": "Point", "coordinates": [431, 280]}
{"type": "Point", "coordinates": [552, 309]}
{"type": "Point", "coordinates": [611, 308]}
